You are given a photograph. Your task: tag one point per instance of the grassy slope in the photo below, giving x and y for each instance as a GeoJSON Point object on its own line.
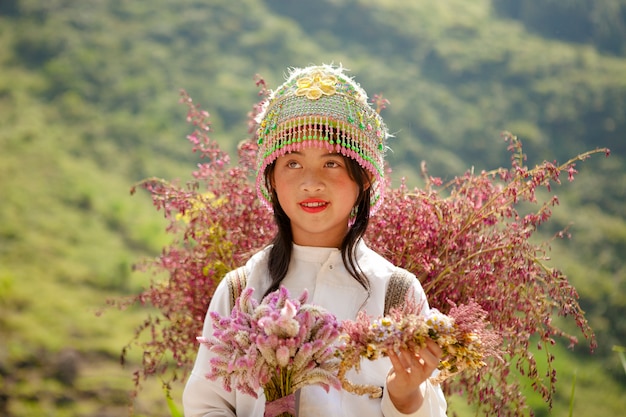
{"type": "Point", "coordinates": [64, 251]}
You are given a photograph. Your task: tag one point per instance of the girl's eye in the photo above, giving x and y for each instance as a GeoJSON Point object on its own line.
{"type": "Point", "coordinates": [332, 164]}
{"type": "Point", "coordinates": [293, 164]}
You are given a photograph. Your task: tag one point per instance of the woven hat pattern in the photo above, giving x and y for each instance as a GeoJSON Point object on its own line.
{"type": "Point", "coordinates": [320, 106]}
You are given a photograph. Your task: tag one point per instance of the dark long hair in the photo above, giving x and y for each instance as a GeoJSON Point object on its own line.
{"type": "Point", "coordinates": [280, 253]}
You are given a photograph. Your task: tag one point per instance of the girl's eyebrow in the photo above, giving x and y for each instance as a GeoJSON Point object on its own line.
{"type": "Point", "coordinates": [333, 154]}
{"type": "Point", "coordinates": [326, 155]}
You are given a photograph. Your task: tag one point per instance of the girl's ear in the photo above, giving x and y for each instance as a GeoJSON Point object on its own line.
{"type": "Point", "coordinates": [269, 178]}
{"type": "Point", "coordinates": [368, 183]}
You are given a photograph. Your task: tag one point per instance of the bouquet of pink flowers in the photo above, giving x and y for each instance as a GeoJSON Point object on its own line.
{"type": "Point", "coordinates": [279, 345]}
{"type": "Point", "coordinates": [463, 336]}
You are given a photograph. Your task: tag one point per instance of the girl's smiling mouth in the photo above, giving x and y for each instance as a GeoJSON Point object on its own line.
{"type": "Point", "coordinates": [313, 205]}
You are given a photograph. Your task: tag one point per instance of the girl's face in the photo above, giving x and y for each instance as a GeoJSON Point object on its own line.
{"type": "Point", "coordinates": [317, 193]}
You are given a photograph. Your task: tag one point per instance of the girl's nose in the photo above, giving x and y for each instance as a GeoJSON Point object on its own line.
{"type": "Point", "coordinates": [311, 182]}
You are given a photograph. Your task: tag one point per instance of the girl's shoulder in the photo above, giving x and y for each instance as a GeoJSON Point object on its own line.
{"type": "Point", "coordinates": [377, 265]}
{"type": "Point", "coordinates": [253, 265]}
{"type": "Point", "coordinates": [256, 271]}
{"type": "Point", "coordinates": [258, 260]}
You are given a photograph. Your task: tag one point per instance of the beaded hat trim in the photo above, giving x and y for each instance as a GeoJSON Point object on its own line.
{"type": "Point", "coordinates": [319, 106]}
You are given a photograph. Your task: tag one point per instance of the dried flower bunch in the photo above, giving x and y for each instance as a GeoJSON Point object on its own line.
{"type": "Point", "coordinates": [279, 345]}
{"type": "Point", "coordinates": [465, 240]}
{"type": "Point", "coordinates": [463, 335]}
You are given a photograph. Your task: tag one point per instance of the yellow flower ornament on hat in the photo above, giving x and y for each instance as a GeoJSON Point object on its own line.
{"type": "Point", "coordinates": [320, 106]}
{"type": "Point", "coordinates": [316, 85]}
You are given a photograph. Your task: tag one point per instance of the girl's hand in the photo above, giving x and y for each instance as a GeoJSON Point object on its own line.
{"type": "Point", "coordinates": [409, 371]}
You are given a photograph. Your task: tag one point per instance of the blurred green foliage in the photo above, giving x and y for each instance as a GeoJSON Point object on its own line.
{"type": "Point", "coordinates": [601, 23]}
{"type": "Point", "coordinates": [88, 106]}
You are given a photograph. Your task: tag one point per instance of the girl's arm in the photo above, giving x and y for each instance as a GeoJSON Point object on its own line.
{"type": "Point", "coordinates": [408, 390]}
{"type": "Point", "coordinates": [203, 397]}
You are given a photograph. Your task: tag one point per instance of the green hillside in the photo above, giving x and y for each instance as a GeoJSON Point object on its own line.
{"type": "Point", "coordinates": [89, 105]}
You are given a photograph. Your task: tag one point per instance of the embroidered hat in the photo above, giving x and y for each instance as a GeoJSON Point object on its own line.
{"type": "Point", "coordinates": [322, 107]}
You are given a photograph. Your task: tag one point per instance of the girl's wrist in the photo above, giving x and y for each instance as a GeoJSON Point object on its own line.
{"type": "Point", "coordinates": [409, 402]}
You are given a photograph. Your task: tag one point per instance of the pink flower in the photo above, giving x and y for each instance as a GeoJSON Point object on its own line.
{"type": "Point", "coordinates": [288, 311]}
{"type": "Point", "coordinates": [282, 356]}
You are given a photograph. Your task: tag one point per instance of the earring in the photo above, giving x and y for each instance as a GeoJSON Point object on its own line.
{"type": "Point", "coordinates": [352, 218]}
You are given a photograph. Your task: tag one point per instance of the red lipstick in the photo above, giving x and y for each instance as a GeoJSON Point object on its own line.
{"type": "Point", "coordinates": [313, 205]}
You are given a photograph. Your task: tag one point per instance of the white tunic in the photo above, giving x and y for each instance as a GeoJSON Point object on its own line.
{"type": "Point", "coordinates": [322, 272]}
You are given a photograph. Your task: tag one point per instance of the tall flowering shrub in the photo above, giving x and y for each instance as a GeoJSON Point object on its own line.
{"type": "Point", "coordinates": [468, 242]}
{"type": "Point", "coordinates": [216, 222]}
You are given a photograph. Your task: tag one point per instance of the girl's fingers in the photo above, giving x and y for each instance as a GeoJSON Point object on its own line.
{"type": "Point", "coordinates": [431, 354]}
{"type": "Point", "coordinates": [398, 361]}
{"type": "Point", "coordinates": [424, 360]}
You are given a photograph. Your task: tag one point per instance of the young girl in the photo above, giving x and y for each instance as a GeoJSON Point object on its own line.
{"type": "Point", "coordinates": [320, 169]}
